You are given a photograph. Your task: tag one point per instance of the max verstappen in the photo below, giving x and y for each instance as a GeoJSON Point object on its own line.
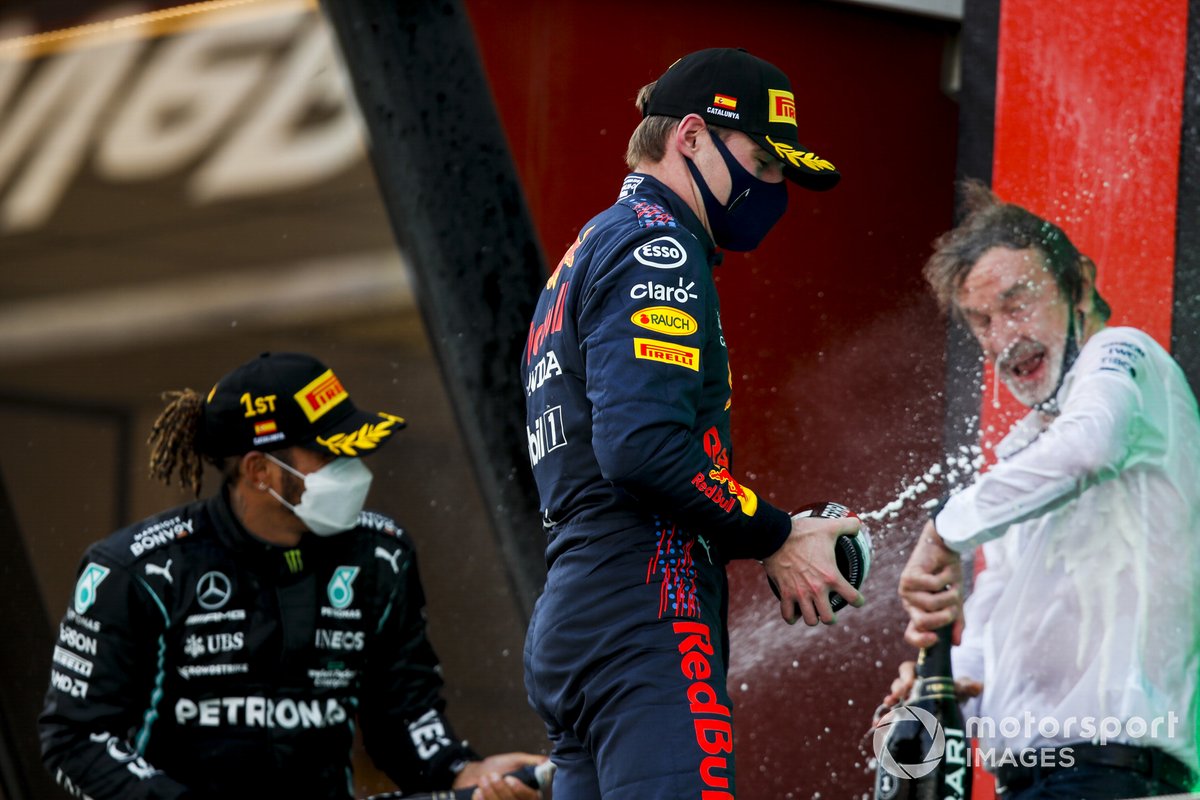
{"type": "Point", "coordinates": [227, 648]}
{"type": "Point", "coordinates": [628, 399]}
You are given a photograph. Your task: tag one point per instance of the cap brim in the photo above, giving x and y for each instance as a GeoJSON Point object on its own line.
{"type": "Point", "coordinates": [358, 434]}
{"type": "Point", "coordinates": [800, 166]}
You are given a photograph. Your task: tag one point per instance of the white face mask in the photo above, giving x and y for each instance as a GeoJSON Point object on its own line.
{"type": "Point", "coordinates": [333, 495]}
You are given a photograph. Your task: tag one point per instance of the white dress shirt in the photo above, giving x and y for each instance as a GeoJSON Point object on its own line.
{"type": "Point", "coordinates": [1089, 607]}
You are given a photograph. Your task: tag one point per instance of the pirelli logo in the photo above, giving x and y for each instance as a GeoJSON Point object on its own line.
{"type": "Point", "coordinates": [667, 353]}
{"type": "Point", "coordinates": [781, 106]}
{"type": "Point", "coordinates": [318, 397]}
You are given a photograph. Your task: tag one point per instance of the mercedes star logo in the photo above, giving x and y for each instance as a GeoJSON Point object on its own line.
{"type": "Point", "coordinates": [213, 590]}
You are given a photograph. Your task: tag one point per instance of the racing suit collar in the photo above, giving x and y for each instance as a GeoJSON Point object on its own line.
{"type": "Point", "coordinates": [234, 535]}
{"type": "Point", "coordinates": [639, 183]}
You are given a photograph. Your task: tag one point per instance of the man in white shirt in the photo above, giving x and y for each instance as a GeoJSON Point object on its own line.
{"type": "Point", "coordinates": [1084, 628]}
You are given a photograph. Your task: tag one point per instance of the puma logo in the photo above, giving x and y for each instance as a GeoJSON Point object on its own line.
{"type": "Point", "coordinates": [155, 569]}
{"type": "Point", "coordinates": [392, 558]}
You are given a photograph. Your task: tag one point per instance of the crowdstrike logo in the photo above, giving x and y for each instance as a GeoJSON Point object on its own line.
{"type": "Point", "coordinates": [929, 761]}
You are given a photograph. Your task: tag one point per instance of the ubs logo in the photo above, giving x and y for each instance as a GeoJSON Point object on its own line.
{"type": "Point", "coordinates": [213, 590]}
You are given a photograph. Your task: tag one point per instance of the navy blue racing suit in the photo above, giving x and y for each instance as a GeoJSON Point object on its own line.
{"type": "Point", "coordinates": [628, 390]}
{"type": "Point", "coordinates": [196, 661]}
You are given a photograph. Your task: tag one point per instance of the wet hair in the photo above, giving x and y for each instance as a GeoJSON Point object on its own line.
{"type": "Point", "coordinates": [175, 443]}
{"type": "Point", "coordinates": [989, 222]}
{"type": "Point", "coordinates": [649, 140]}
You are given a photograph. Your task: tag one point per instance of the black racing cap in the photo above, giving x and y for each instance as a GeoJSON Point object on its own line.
{"type": "Point", "coordinates": [733, 89]}
{"type": "Point", "coordinates": [283, 400]}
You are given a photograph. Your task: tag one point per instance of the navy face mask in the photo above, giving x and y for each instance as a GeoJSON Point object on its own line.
{"type": "Point", "coordinates": [753, 209]}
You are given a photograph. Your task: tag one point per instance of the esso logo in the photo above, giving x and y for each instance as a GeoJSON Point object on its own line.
{"type": "Point", "coordinates": [661, 253]}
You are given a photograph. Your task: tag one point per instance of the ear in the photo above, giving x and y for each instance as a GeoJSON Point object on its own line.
{"type": "Point", "coordinates": [254, 468]}
{"type": "Point", "coordinates": [687, 139]}
{"type": "Point", "coordinates": [1087, 286]}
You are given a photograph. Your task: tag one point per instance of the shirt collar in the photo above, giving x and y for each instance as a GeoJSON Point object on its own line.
{"type": "Point", "coordinates": [641, 184]}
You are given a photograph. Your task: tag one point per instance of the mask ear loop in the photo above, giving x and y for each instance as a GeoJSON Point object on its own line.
{"type": "Point", "coordinates": [731, 166]}
{"type": "Point", "coordinates": [285, 465]}
{"type": "Point", "coordinates": [276, 494]}
{"type": "Point", "coordinates": [1070, 353]}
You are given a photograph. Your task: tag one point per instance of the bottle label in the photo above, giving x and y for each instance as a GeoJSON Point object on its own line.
{"type": "Point", "coordinates": [934, 689]}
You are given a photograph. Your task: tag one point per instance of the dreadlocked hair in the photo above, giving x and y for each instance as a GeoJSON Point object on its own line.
{"type": "Point", "coordinates": [173, 440]}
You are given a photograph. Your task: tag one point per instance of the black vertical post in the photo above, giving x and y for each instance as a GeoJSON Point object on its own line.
{"type": "Point", "coordinates": [976, 138]}
{"type": "Point", "coordinates": [1185, 316]}
{"type": "Point", "coordinates": [456, 208]}
{"type": "Point", "coordinates": [24, 665]}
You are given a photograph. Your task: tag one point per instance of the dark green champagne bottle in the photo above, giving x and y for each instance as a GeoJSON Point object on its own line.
{"type": "Point", "coordinates": [921, 745]}
{"type": "Point", "coordinates": [539, 777]}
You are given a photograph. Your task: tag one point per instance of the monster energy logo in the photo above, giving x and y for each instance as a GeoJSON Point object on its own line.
{"type": "Point", "coordinates": [294, 562]}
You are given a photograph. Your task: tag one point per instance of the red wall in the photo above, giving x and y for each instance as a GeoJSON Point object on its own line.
{"type": "Point", "coordinates": [836, 349]}
{"type": "Point", "coordinates": [1088, 103]}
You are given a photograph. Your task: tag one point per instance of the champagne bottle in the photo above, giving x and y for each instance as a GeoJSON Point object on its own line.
{"type": "Point", "coordinates": [535, 777]}
{"type": "Point", "coordinates": [921, 744]}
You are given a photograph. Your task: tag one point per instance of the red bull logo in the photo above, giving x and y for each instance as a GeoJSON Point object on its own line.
{"type": "Point", "coordinates": [714, 492]}
{"type": "Point", "coordinates": [721, 475]}
{"type": "Point", "coordinates": [712, 720]}
{"type": "Point", "coordinates": [724, 490]}
{"type": "Point", "coordinates": [568, 259]}
{"type": "Point", "coordinates": [553, 322]}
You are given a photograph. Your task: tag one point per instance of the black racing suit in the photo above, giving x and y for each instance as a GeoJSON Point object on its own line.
{"type": "Point", "coordinates": [628, 394]}
{"type": "Point", "coordinates": [197, 661]}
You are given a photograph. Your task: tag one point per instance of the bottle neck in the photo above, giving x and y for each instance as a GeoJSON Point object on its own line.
{"type": "Point", "coordinates": [934, 661]}
{"type": "Point", "coordinates": [934, 675]}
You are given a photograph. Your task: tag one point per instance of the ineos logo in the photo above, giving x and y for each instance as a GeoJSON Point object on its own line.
{"type": "Point", "coordinates": [661, 253]}
{"type": "Point", "coordinates": [213, 590]}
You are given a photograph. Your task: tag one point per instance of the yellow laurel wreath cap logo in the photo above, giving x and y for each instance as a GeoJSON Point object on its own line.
{"type": "Point", "coordinates": [800, 158]}
{"type": "Point", "coordinates": [367, 437]}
